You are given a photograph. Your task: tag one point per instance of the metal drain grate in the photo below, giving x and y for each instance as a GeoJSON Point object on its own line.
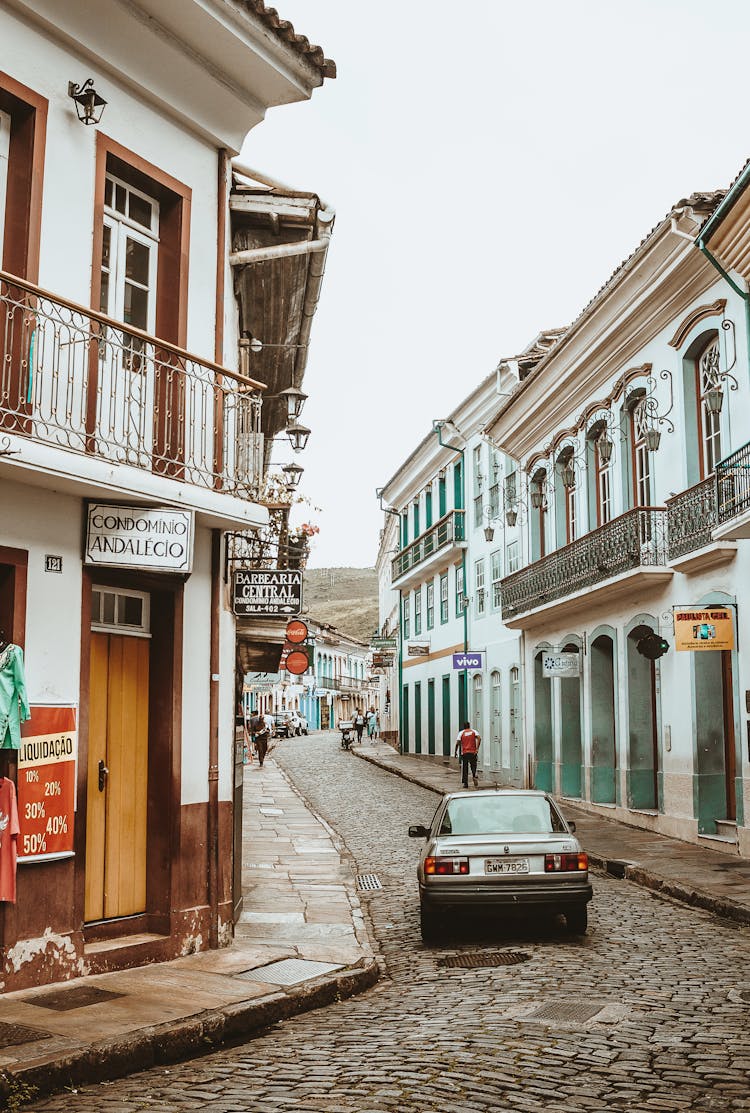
{"type": "Point", "coordinates": [565, 1010]}
{"type": "Point", "coordinates": [79, 997]}
{"type": "Point", "coordinates": [368, 882]}
{"type": "Point", "coordinates": [289, 971]}
{"type": "Point", "coordinates": [488, 958]}
{"type": "Point", "coordinates": [13, 1034]}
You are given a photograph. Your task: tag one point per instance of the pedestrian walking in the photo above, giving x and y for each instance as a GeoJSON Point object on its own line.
{"type": "Point", "coordinates": [467, 746]}
{"type": "Point", "coordinates": [372, 724]}
{"type": "Point", "coordinates": [359, 724]}
{"type": "Point", "coordinates": [259, 735]}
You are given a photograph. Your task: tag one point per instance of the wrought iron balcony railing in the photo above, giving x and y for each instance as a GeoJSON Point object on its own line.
{"type": "Point", "coordinates": [635, 539]}
{"type": "Point", "coordinates": [76, 379]}
{"type": "Point", "coordinates": [691, 518]}
{"type": "Point", "coordinates": [446, 531]}
{"type": "Point", "coordinates": [341, 683]}
{"type": "Point", "coordinates": [733, 484]}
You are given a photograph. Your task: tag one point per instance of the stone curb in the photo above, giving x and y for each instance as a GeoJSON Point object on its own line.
{"type": "Point", "coordinates": [675, 890]}
{"type": "Point", "coordinates": [181, 1039]}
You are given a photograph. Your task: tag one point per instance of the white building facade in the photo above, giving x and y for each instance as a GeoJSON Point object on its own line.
{"type": "Point", "coordinates": [631, 486]}
{"type": "Point", "coordinates": [452, 553]}
{"type": "Point", "coordinates": [121, 414]}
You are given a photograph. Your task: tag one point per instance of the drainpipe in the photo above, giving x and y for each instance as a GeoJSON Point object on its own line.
{"type": "Point", "coordinates": [213, 744]}
{"type": "Point", "coordinates": [438, 428]}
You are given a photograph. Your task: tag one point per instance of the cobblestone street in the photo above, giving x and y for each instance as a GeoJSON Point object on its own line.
{"type": "Point", "coordinates": [670, 984]}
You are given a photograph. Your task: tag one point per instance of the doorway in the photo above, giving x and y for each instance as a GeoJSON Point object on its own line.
{"type": "Point", "coordinates": [643, 741]}
{"type": "Point", "coordinates": [118, 755]}
{"type": "Point", "coordinates": [571, 735]}
{"type": "Point", "coordinates": [516, 749]}
{"type": "Point", "coordinates": [603, 747]}
{"type": "Point", "coordinates": [715, 737]}
{"type": "Point", "coordinates": [496, 728]}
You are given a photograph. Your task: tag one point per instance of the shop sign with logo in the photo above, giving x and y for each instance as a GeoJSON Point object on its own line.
{"type": "Point", "coordinates": [47, 784]}
{"type": "Point", "coordinates": [418, 649]}
{"type": "Point", "coordinates": [155, 539]}
{"type": "Point", "coordinates": [267, 592]}
{"type": "Point", "coordinates": [261, 681]}
{"type": "Point", "coordinates": [561, 664]}
{"type": "Point", "coordinates": [296, 631]}
{"type": "Point", "coordinates": [698, 630]}
{"type": "Point", "coordinates": [384, 643]}
{"type": "Point", "coordinates": [467, 660]}
{"type": "Point", "coordinates": [382, 660]}
{"type": "Point", "coordinates": [296, 654]}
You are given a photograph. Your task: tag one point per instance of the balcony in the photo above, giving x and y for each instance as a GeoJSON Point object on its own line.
{"type": "Point", "coordinates": [626, 556]}
{"type": "Point", "coordinates": [342, 683]}
{"type": "Point", "coordinates": [435, 545]}
{"type": "Point", "coordinates": [733, 495]}
{"type": "Point", "coordinates": [74, 379]}
{"type": "Point", "coordinates": [691, 520]}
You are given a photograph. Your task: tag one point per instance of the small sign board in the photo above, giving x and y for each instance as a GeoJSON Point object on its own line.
{"type": "Point", "coordinates": [384, 643]}
{"type": "Point", "coordinates": [261, 681]}
{"type": "Point", "coordinates": [297, 662]}
{"type": "Point", "coordinates": [47, 784]}
{"type": "Point", "coordinates": [467, 660]}
{"type": "Point", "coordinates": [267, 592]}
{"type": "Point", "coordinates": [561, 664]}
{"type": "Point", "coordinates": [700, 630]}
{"type": "Point", "coordinates": [416, 649]}
{"type": "Point", "coordinates": [382, 660]}
{"type": "Point", "coordinates": [153, 539]}
{"type": "Point", "coordinates": [52, 563]}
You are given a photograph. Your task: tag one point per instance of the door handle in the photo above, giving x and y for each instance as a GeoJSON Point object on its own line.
{"type": "Point", "coordinates": [103, 774]}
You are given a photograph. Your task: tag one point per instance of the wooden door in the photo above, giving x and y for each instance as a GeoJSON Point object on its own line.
{"type": "Point", "coordinates": [116, 826]}
{"type": "Point", "coordinates": [730, 753]}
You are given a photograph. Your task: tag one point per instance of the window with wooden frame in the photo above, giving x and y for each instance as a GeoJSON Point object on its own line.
{"type": "Point", "coordinates": [709, 424]}
{"type": "Point", "coordinates": [444, 598]}
{"type": "Point", "coordinates": [23, 125]}
{"type": "Point", "coordinates": [418, 611]}
{"type": "Point", "coordinates": [641, 458]}
{"type": "Point", "coordinates": [496, 575]}
{"type": "Point", "coordinates": [139, 276]}
{"type": "Point", "coordinates": [603, 487]}
{"type": "Point", "coordinates": [430, 610]}
{"type": "Point", "coordinates": [4, 158]}
{"type": "Point", "coordinates": [481, 595]}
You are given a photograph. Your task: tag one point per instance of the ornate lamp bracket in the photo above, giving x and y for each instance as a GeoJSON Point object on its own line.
{"type": "Point", "coordinates": [648, 417]}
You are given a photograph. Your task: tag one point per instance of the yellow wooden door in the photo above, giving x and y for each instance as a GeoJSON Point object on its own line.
{"type": "Point", "coordinates": [116, 824]}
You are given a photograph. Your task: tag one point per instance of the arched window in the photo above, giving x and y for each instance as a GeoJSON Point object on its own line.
{"type": "Point", "coordinates": [709, 423]}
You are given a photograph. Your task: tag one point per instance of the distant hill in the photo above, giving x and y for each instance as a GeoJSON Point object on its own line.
{"type": "Point", "coordinates": [344, 597]}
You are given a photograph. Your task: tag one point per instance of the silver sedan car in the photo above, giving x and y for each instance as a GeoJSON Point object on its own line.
{"type": "Point", "coordinates": [500, 848]}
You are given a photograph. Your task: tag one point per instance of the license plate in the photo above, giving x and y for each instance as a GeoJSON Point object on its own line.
{"type": "Point", "coordinates": [506, 865]}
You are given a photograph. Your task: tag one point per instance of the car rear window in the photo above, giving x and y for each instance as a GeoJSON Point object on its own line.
{"type": "Point", "coordinates": [485, 815]}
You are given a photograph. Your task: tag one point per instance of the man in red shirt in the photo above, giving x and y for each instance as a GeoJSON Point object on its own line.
{"type": "Point", "coordinates": [467, 744]}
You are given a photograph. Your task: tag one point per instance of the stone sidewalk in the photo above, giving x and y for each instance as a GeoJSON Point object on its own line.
{"type": "Point", "coordinates": [300, 909]}
{"type": "Point", "coordinates": [695, 874]}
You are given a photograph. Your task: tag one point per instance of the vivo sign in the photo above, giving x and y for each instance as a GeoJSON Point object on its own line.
{"type": "Point", "coordinates": [467, 660]}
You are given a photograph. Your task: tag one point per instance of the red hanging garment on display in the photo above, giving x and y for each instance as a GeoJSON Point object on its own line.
{"type": "Point", "coordinates": [9, 831]}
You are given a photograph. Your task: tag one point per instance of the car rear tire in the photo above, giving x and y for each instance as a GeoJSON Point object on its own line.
{"type": "Point", "coordinates": [428, 925]}
{"type": "Point", "coordinates": [576, 920]}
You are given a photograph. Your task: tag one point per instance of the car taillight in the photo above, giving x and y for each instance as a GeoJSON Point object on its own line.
{"type": "Point", "coordinates": [446, 865]}
{"type": "Point", "coordinates": [554, 863]}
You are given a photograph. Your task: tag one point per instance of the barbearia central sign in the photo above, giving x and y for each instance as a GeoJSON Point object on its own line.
{"type": "Point", "coordinates": [272, 591]}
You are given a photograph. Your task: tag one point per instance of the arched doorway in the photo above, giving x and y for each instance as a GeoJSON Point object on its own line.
{"type": "Point", "coordinates": [715, 739]}
{"type": "Point", "coordinates": [570, 731]}
{"type": "Point", "coordinates": [542, 727]}
{"type": "Point", "coordinates": [477, 703]}
{"type": "Point", "coordinates": [496, 723]}
{"type": "Point", "coordinates": [603, 748]}
{"type": "Point", "coordinates": [516, 732]}
{"type": "Point", "coordinates": [644, 759]}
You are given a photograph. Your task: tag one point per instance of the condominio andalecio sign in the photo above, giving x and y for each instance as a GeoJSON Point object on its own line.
{"type": "Point", "coordinates": [153, 539]}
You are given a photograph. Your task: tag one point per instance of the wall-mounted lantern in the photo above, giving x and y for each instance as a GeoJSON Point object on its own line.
{"type": "Point", "coordinates": [89, 104]}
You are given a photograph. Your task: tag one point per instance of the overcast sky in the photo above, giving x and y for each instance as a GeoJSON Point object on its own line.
{"type": "Point", "coordinates": [490, 165]}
